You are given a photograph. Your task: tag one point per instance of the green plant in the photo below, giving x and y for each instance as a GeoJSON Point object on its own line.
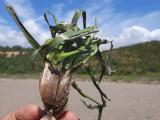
{"type": "Point", "coordinates": [69, 49]}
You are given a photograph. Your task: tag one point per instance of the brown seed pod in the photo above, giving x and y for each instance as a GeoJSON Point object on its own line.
{"type": "Point", "coordinates": [47, 117]}
{"type": "Point", "coordinates": [54, 89]}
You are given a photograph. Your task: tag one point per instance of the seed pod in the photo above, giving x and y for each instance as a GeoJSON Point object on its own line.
{"type": "Point", "coordinates": [47, 117]}
{"type": "Point", "coordinates": [54, 89]}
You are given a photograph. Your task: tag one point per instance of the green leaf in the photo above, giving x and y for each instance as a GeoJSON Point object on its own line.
{"type": "Point", "coordinates": [76, 17]}
{"type": "Point", "coordinates": [54, 18]}
{"type": "Point", "coordinates": [58, 56]}
{"type": "Point", "coordinates": [35, 53]}
{"type": "Point", "coordinates": [28, 36]}
{"type": "Point", "coordinates": [82, 58]}
{"type": "Point", "coordinates": [52, 43]}
{"type": "Point", "coordinates": [52, 29]}
{"type": "Point", "coordinates": [73, 35]}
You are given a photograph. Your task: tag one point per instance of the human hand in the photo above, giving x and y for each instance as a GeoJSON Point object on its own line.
{"type": "Point", "coordinates": [33, 112]}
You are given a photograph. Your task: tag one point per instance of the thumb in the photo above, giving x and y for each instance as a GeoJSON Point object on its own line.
{"type": "Point", "coordinates": [27, 112]}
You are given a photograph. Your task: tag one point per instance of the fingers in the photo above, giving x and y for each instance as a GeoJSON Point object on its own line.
{"type": "Point", "coordinates": [68, 115]}
{"type": "Point", "coordinates": [10, 116]}
{"type": "Point", "coordinates": [33, 112]}
{"type": "Point", "coordinates": [28, 112]}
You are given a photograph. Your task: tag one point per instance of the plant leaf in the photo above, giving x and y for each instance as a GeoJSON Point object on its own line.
{"type": "Point", "coordinates": [52, 30]}
{"type": "Point", "coordinates": [35, 53]}
{"type": "Point", "coordinates": [76, 17]}
{"type": "Point", "coordinates": [28, 36]}
{"type": "Point", "coordinates": [102, 63]}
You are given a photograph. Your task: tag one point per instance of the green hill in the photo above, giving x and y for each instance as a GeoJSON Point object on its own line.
{"type": "Point", "coordinates": [17, 60]}
{"type": "Point", "coordinates": [135, 60]}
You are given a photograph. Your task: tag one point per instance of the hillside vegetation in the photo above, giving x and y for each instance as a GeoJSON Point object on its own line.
{"type": "Point", "coordinates": [17, 60]}
{"type": "Point", "coordinates": [137, 59]}
{"type": "Point", "coordinates": [140, 59]}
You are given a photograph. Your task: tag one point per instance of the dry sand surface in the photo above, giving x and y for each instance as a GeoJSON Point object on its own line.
{"type": "Point", "coordinates": [129, 101]}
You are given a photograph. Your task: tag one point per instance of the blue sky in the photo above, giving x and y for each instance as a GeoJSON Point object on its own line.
{"type": "Point", "coordinates": [124, 21]}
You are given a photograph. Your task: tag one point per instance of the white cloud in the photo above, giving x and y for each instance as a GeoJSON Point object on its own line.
{"type": "Point", "coordinates": [23, 8]}
{"type": "Point", "coordinates": [124, 28]}
{"type": "Point", "coordinates": [10, 37]}
{"type": "Point", "coordinates": [136, 34]}
{"type": "Point", "coordinates": [31, 21]}
{"type": "Point", "coordinates": [36, 30]}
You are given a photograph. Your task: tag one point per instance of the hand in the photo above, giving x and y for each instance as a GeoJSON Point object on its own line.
{"type": "Point", "coordinates": [33, 112]}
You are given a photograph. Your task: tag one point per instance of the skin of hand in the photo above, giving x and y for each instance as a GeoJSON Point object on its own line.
{"type": "Point", "coordinates": [33, 112]}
